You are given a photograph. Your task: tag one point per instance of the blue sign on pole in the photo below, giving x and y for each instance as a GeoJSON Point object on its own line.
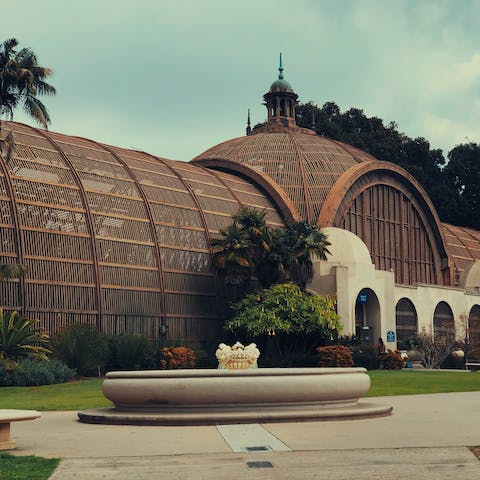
{"type": "Point", "coordinates": [362, 298]}
{"type": "Point", "coordinates": [390, 336]}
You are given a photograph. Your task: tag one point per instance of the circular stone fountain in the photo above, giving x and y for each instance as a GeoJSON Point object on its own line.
{"type": "Point", "coordinates": [202, 397]}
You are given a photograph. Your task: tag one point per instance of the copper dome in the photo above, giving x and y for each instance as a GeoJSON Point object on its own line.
{"type": "Point", "coordinates": [303, 164]}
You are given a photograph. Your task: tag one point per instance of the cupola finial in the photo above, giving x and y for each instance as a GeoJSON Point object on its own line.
{"type": "Point", "coordinates": [280, 68]}
{"type": "Point", "coordinates": [249, 128]}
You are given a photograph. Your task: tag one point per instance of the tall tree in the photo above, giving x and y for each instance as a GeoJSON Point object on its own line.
{"type": "Point", "coordinates": [249, 248]}
{"type": "Point", "coordinates": [301, 241]}
{"type": "Point", "coordinates": [22, 80]}
{"type": "Point", "coordinates": [385, 142]}
{"type": "Point", "coordinates": [463, 171]}
{"type": "Point", "coordinates": [232, 257]}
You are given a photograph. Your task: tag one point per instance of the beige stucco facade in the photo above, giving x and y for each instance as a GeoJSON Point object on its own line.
{"type": "Point", "coordinates": [349, 271]}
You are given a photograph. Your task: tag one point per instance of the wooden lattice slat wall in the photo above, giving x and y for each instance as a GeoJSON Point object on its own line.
{"type": "Point", "coordinates": [115, 237]}
{"type": "Point", "coordinates": [395, 233]}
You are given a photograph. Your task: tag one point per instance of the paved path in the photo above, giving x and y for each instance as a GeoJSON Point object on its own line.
{"type": "Point", "coordinates": [425, 438]}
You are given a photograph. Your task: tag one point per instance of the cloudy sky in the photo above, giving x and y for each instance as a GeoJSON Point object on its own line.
{"type": "Point", "coordinates": [174, 77]}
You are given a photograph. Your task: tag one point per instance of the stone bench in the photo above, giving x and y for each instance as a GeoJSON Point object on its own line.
{"type": "Point", "coordinates": [472, 363]}
{"type": "Point", "coordinates": [8, 416]}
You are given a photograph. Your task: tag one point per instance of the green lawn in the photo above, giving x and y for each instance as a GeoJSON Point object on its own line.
{"type": "Point", "coordinates": [76, 395]}
{"type": "Point", "coordinates": [88, 394]}
{"type": "Point", "coordinates": [26, 468]}
{"type": "Point", "coordinates": [411, 382]}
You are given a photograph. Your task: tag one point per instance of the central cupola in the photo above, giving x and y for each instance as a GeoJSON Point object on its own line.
{"type": "Point", "coordinates": [281, 101]}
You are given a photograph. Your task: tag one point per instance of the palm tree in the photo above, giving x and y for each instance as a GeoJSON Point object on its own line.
{"type": "Point", "coordinates": [233, 257]}
{"type": "Point", "coordinates": [21, 81]}
{"type": "Point", "coordinates": [265, 260]}
{"type": "Point", "coordinates": [300, 242]}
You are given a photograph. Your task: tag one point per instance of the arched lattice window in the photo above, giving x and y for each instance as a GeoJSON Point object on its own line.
{"type": "Point", "coordinates": [394, 232]}
{"type": "Point", "coordinates": [474, 332]}
{"type": "Point", "coordinates": [443, 322]}
{"type": "Point", "coordinates": [405, 319]}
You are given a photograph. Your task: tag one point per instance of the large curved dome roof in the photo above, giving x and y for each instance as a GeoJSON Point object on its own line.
{"type": "Point", "coordinates": [304, 164]}
{"type": "Point", "coordinates": [114, 236]}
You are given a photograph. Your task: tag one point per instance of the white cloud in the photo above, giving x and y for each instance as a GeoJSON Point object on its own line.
{"type": "Point", "coordinates": [458, 77]}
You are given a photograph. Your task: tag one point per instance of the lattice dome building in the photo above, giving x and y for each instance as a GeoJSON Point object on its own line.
{"type": "Point", "coordinates": [120, 238]}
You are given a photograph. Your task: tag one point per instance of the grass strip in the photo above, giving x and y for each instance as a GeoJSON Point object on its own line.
{"type": "Point", "coordinates": [414, 382]}
{"type": "Point", "coordinates": [26, 468]}
{"type": "Point", "coordinates": [76, 395]}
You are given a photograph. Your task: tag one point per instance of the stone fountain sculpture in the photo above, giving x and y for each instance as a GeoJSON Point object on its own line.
{"type": "Point", "coordinates": [237, 357]}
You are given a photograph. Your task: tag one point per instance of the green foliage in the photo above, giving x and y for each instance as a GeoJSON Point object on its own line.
{"type": "Point", "coordinates": [284, 308]}
{"type": "Point", "coordinates": [132, 352]}
{"type": "Point", "coordinates": [365, 356]}
{"type": "Point", "coordinates": [452, 187]}
{"type": "Point", "coordinates": [30, 372]}
{"type": "Point", "coordinates": [22, 79]}
{"type": "Point", "coordinates": [287, 322]}
{"type": "Point", "coordinates": [10, 372]}
{"type": "Point", "coordinates": [392, 360]}
{"type": "Point", "coordinates": [250, 248]}
{"type": "Point", "coordinates": [463, 169]}
{"type": "Point", "coordinates": [334, 356]}
{"type": "Point", "coordinates": [232, 254]}
{"type": "Point", "coordinates": [11, 270]}
{"type": "Point", "coordinates": [83, 348]}
{"type": "Point", "coordinates": [300, 241]}
{"type": "Point", "coordinates": [37, 372]}
{"type": "Point", "coordinates": [26, 467]}
{"type": "Point", "coordinates": [21, 337]}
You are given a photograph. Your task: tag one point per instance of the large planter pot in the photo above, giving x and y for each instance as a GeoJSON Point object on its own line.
{"type": "Point", "coordinates": [234, 396]}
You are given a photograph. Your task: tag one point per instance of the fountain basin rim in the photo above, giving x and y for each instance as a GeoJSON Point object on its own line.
{"type": "Point", "coordinates": [253, 372]}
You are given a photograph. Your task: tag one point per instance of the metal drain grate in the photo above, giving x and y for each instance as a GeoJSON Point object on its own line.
{"type": "Point", "coordinates": [259, 465]}
{"type": "Point", "coordinates": [257, 449]}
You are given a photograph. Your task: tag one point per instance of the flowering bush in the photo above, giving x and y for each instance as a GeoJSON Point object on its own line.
{"type": "Point", "coordinates": [177, 357]}
{"type": "Point", "coordinates": [392, 360]}
{"type": "Point", "coordinates": [334, 356]}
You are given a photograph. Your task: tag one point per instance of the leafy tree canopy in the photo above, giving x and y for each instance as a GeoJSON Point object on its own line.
{"type": "Point", "coordinates": [22, 80]}
{"type": "Point", "coordinates": [249, 247]}
{"type": "Point", "coordinates": [284, 309]}
{"type": "Point", "coordinates": [446, 184]}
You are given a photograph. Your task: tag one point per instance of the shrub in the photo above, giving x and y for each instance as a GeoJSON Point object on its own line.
{"type": "Point", "coordinates": [31, 372]}
{"type": "Point", "coordinates": [21, 337]}
{"type": "Point", "coordinates": [177, 357]}
{"type": "Point", "coordinates": [37, 372]}
{"type": "Point", "coordinates": [9, 372]}
{"type": "Point", "coordinates": [365, 356]}
{"type": "Point", "coordinates": [334, 356]}
{"type": "Point", "coordinates": [132, 352]}
{"type": "Point", "coordinates": [392, 360]}
{"type": "Point", "coordinates": [83, 348]}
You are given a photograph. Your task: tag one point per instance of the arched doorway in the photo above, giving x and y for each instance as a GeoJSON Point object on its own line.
{"type": "Point", "coordinates": [474, 332]}
{"type": "Point", "coordinates": [367, 316]}
{"type": "Point", "coordinates": [443, 322]}
{"type": "Point", "coordinates": [405, 319]}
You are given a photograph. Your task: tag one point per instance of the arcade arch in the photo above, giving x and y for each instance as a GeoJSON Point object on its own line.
{"type": "Point", "coordinates": [474, 332]}
{"type": "Point", "coordinates": [406, 319]}
{"type": "Point", "coordinates": [367, 316]}
{"type": "Point", "coordinates": [443, 321]}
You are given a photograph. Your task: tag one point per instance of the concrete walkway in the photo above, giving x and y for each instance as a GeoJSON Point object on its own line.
{"type": "Point", "coordinates": [426, 438]}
